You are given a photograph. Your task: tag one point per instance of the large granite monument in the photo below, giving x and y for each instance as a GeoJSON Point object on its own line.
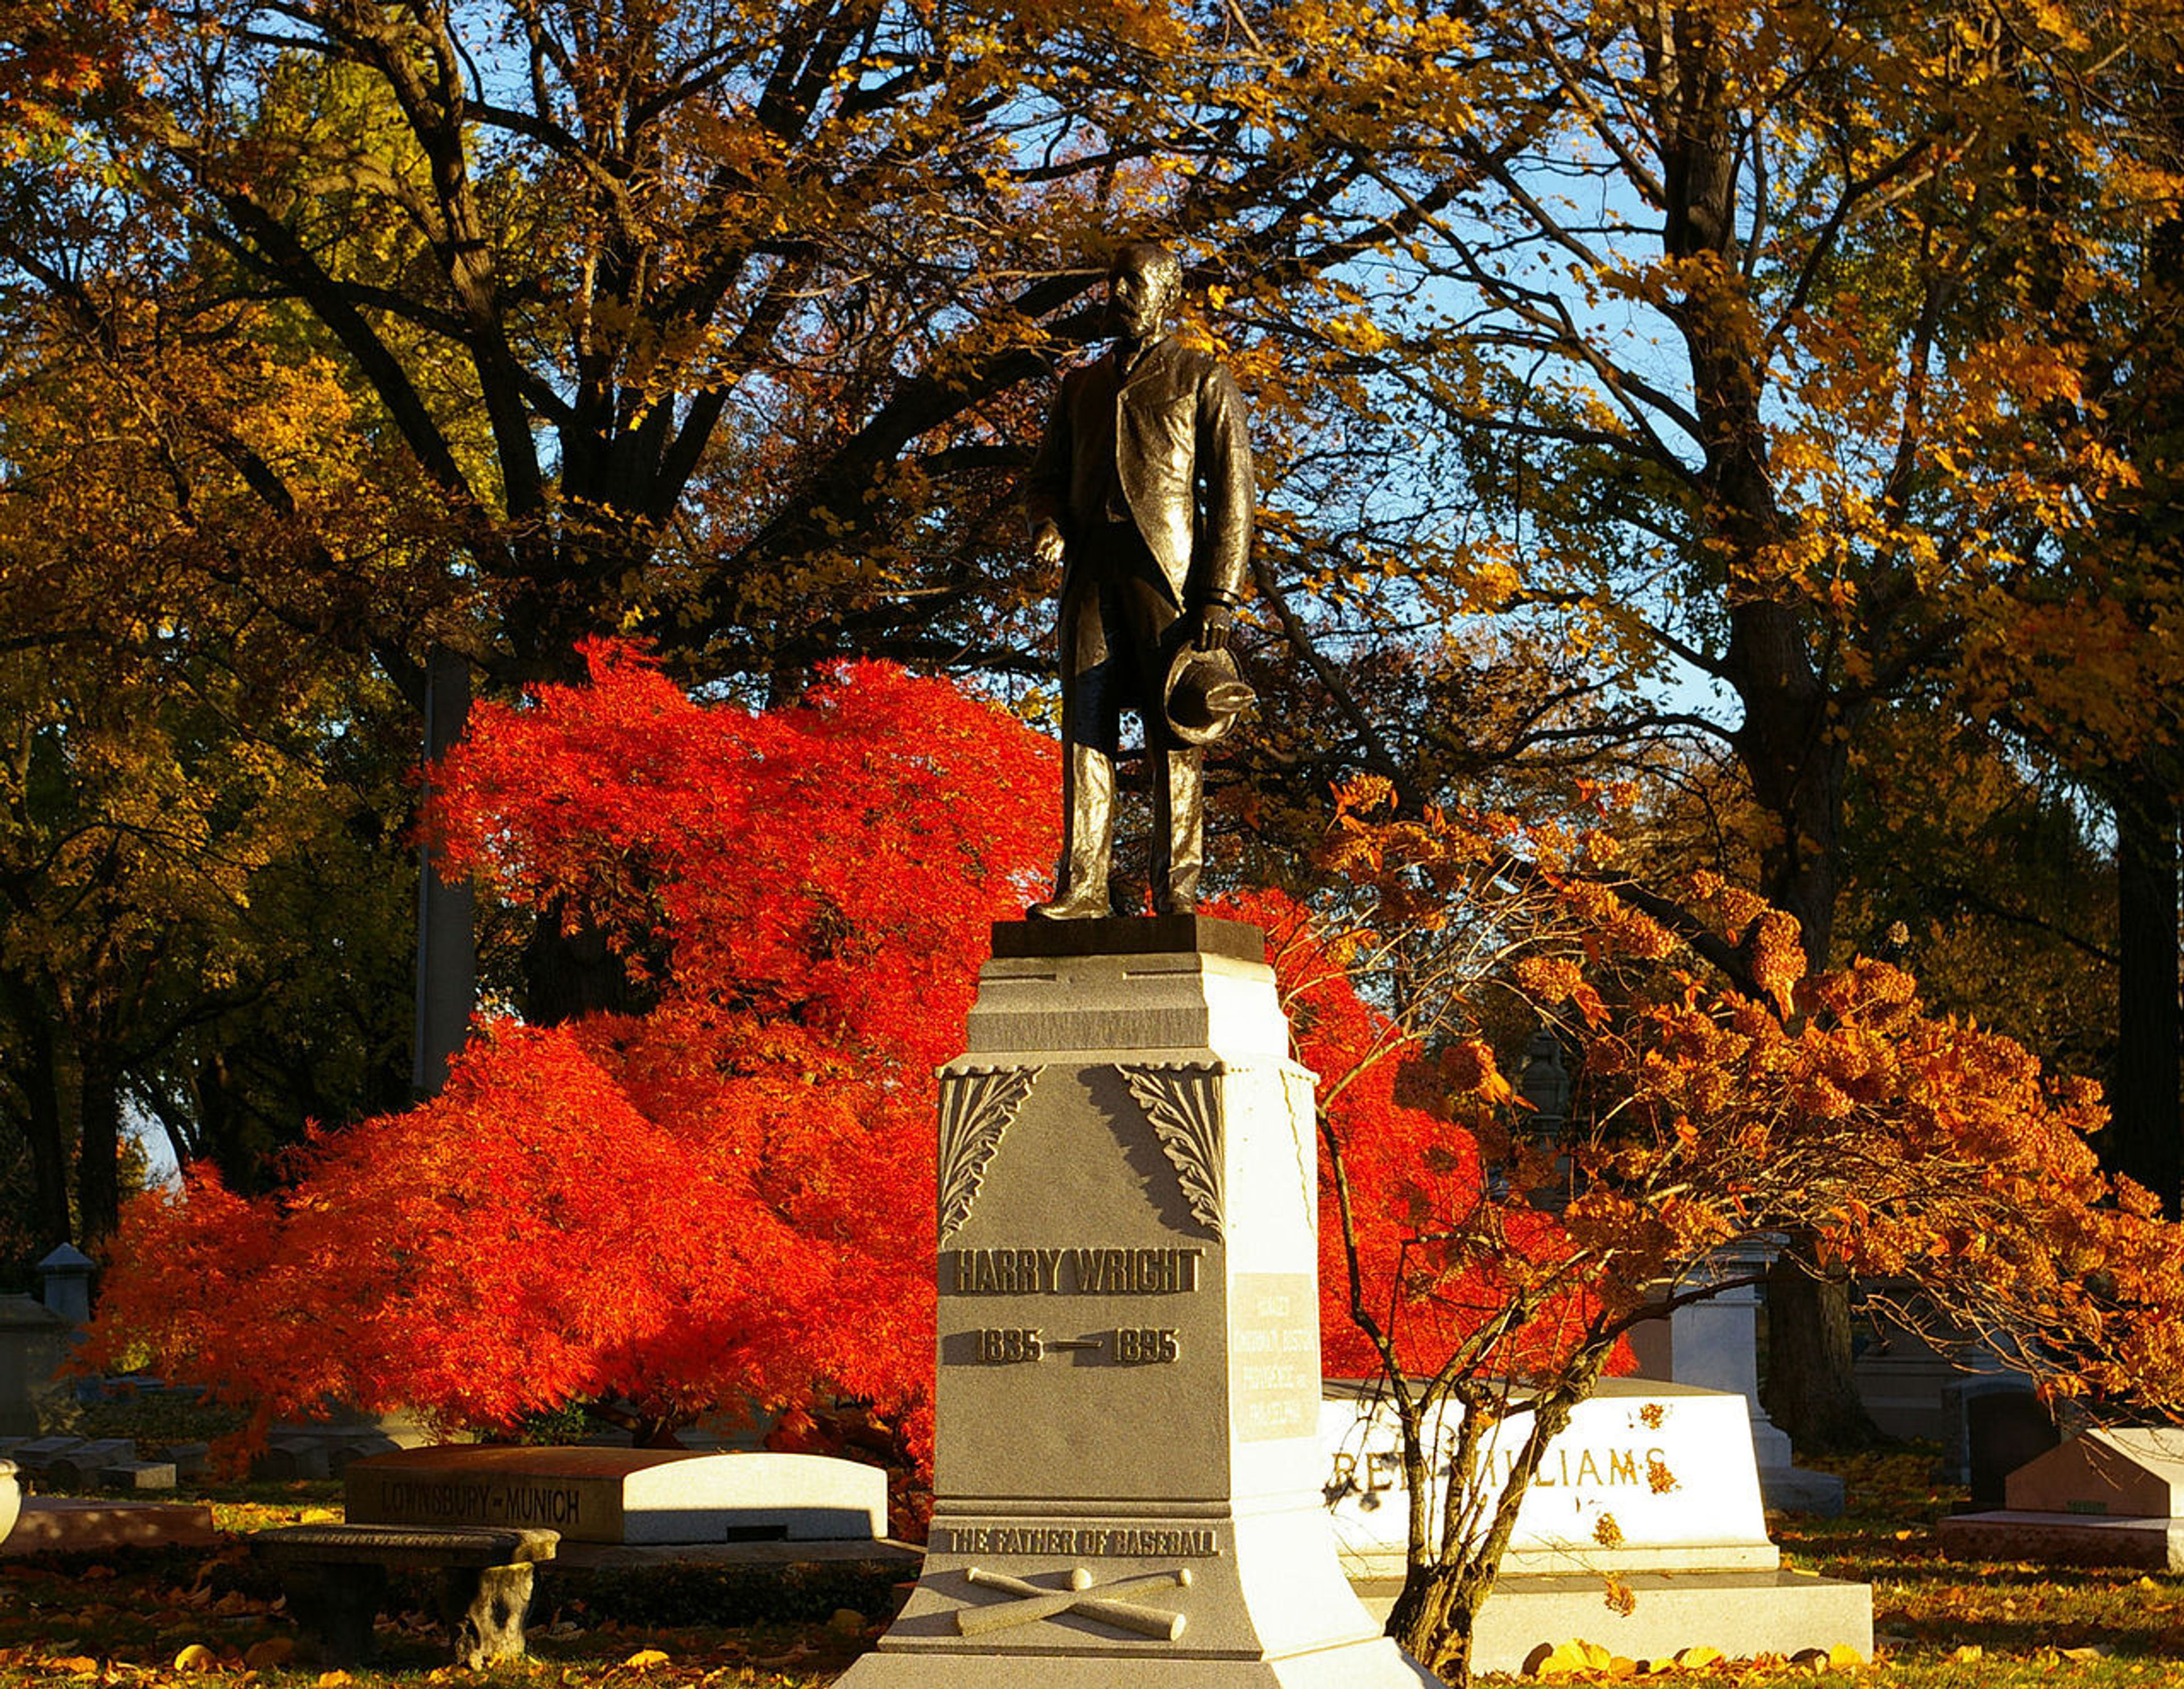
{"type": "Point", "coordinates": [1128, 1476]}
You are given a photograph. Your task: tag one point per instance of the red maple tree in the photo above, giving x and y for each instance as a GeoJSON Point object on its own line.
{"type": "Point", "coordinates": [727, 1197]}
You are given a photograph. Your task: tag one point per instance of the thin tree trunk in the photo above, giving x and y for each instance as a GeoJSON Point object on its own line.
{"type": "Point", "coordinates": [2146, 1131]}
{"type": "Point", "coordinates": [447, 940]}
{"type": "Point", "coordinates": [98, 1152]}
{"type": "Point", "coordinates": [46, 1131]}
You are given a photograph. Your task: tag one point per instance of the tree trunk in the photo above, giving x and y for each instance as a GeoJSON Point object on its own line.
{"type": "Point", "coordinates": [1793, 742]}
{"type": "Point", "coordinates": [568, 974]}
{"type": "Point", "coordinates": [2146, 1131]}
{"type": "Point", "coordinates": [46, 1131]}
{"type": "Point", "coordinates": [447, 940]}
{"type": "Point", "coordinates": [1811, 1393]}
{"type": "Point", "coordinates": [1445, 1584]}
{"type": "Point", "coordinates": [98, 1152]}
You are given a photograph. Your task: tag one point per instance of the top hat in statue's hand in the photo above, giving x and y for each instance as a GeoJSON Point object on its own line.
{"type": "Point", "coordinates": [1205, 695]}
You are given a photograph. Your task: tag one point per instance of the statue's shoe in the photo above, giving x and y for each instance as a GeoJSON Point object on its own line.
{"type": "Point", "coordinates": [1079, 905]}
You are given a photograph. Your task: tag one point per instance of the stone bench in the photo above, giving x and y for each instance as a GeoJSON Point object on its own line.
{"type": "Point", "coordinates": [336, 1578]}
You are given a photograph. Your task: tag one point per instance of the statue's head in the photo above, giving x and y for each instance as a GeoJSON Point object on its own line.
{"type": "Point", "coordinates": [1144, 283]}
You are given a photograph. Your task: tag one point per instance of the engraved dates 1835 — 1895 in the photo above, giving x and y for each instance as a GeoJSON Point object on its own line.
{"type": "Point", "coordinates": [1129, 1345]}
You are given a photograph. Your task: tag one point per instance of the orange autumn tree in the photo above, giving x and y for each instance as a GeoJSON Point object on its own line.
{"type": "Point", "coordinates": [727, 1196]}
{"type": "Point", "coordinates": [1723, 1094]}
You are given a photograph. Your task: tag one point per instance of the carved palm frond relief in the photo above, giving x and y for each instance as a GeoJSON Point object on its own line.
{"type": "Point", "coordinates": [977, 1107]}
{"type": "Point", "coordinates": [1183, 1103]}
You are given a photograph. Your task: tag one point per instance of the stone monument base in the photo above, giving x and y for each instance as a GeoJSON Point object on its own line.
{"type": "Point", "coordinates": [1799, 1489]}
{"type": "Point", "coordinates": [1360, 1665]}
{"type": "Point", "coordinates": [2057, 1539]}
{"type": "Point", "coordinates": [1741, 1613]}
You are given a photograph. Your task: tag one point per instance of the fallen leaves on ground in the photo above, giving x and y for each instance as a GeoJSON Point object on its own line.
{"type": "Point", "coordinates": [1590, 1662]}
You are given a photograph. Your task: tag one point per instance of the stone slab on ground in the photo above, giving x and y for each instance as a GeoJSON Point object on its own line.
{"type": "Point", "coordinates": [78, 1467]}
{"type": "Point", "coordinates": [1799, 1489]}
{"type": "Point", "coordinates": [190, 1459]}
{"type": "Point", "coordinates": [2122, 1471]}
{"type": "Point", "coordinates": [1602, 1467]}
{"type": "Point", "coordinates": [2062, 1538]}
{"type": "Point", "coordinates": [1740, 1612]}
{"type": "Point", "coordinates": [137, 1475]}
{"type": "Point", "coordinates": [616, 1495]}
{"type": "Point", "coordinates": [36, 1455]}
{"type": "Point", "coordinates": [880, 1551]}
{"type": "Point", "coordinates": [54, 1525]}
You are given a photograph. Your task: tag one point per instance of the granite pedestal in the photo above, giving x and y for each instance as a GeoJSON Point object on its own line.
{"type": "Point", "coordinates": [1127, 1472]}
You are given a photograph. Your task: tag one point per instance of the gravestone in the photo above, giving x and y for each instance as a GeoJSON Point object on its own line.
{"type": "Point", "coordinates": [1669, 1465]}
{"type": "Point", "coordinates": [189, 1460]}
{"type": "Point", "coordinates": [288, 1460]}
{"type": "Point", "coordinates": [1714, 1344]}
{"type": "Point", "coordinates": [621, 1495]}
{"type": "Point", "coordinates": [137, 1475]}
{"type": "Point", "coordinates": [36, 1455]}
{"type": "Point", "coordinates": [64, 1284]}
{"type": "Point", "coordinates": [2004, 1426]}
{"type": "Point", "coordinates": [1126, 1473]}
{"type": "Point", "coordinates": [2124, 1471]}
{"type": "Point", "coordinates": [2111, 1496]}
{"type": "Point", "coordinates": [1664, 1472]}
{"type": "Point", "coordinates": [34, 1341]}
{"type": "Point", "coordinates": [78, 1467]}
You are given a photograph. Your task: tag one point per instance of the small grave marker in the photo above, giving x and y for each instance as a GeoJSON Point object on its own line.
{"type": "Point", "coordinates": [621, 1495]}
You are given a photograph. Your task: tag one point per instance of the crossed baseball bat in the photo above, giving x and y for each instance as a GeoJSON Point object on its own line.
{"type": "Point", "coordinates": [1044, 1604]}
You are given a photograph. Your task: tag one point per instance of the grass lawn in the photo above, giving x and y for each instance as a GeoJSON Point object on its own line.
{"type": "Point", "coordinates": [215, 1621]}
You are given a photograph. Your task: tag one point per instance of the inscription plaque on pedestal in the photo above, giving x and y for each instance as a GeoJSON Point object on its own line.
{"type": "Point", "coordinates": [1127, 1473]}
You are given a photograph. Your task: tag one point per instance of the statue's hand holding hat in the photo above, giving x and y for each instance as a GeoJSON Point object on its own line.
{"type": "Point", "coordinates": [1205, 695]}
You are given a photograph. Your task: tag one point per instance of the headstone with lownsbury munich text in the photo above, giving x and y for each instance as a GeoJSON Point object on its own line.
{"type": "Point", "coordinates": [1127, 1476]}
{"type": "Point", "coordinates": [632, 1495]}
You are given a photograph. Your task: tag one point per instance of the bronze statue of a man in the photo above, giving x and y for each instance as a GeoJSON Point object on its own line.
{"type": "Point", "coordinates": [1142, 491]}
